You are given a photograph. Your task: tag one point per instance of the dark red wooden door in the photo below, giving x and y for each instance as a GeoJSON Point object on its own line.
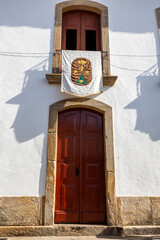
{"type": "Point", "coordinates": [80, 181]}
{"type": "Point", "coordinates": [81, 30]}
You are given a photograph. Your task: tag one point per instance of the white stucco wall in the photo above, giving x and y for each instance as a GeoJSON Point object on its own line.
{"type": "Point", "coordinates": [27, 27]}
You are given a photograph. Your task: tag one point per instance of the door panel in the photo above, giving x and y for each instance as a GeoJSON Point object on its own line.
{"type": "Point", "coordinates": [80, 181]}
{"type": "Point", "coordinates": [68, 193]}
{"type": "Point", "coordinates": [90, 21]}
{"type": "Point", "coordinates": [71, 20]}
{"type": "Point", "coordinates": [81, 21]}
{"type": "Point", "coordinates": [67, 184]}
{"type": "Point", "coordinates": [93, 168]}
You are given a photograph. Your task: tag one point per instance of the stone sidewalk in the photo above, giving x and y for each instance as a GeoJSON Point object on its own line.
{"type": "Point", "coordinates": [62, 238]}
{"type": "Point", "coordinates": [84, 238]}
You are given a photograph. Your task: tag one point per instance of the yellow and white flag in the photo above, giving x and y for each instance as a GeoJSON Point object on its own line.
{"type": "Point", "coordinates": [81, 72]}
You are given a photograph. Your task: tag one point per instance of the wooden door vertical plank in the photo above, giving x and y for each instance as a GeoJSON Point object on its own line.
{"type": "Point", "coordinates": [67, 183]}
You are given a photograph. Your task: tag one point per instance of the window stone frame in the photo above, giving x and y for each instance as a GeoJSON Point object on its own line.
{"type": "Point", "coordinates": [157, 11]}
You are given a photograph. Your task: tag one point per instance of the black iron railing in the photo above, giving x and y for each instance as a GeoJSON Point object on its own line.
{"type": "Point", "coordinates": [57, 62]}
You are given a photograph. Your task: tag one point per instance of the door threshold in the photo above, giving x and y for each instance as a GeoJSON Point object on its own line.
{"type": "Point", "coordinates": [87, 230]}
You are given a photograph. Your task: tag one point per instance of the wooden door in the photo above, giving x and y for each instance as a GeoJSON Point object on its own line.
{"type": "Point", "coordinates": [71, 30]}
{"type": "Point", "coordinates": [90, 28]}
{"type": "Point", "coordinates": [81, 31]}
{"type": "Point", "coordinates": [80, 181]}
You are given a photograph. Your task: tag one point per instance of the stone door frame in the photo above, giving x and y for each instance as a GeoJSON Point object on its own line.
{"type": "Point", "coordinates": [111, 206]}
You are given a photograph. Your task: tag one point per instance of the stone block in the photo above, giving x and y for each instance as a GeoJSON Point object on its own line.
{"type": "Point", "coordinates": [52, 146]}
{"type": "Point", "coordinates": [111, 198]}
{"type": "Point", "coordinates": [156, 210]}
{"type": "Point", "coordinates": [49, 196]}
{"type": "Point", "coordinates": [134, 211]}
{"type": "Point", "coordinates": [21, 211]}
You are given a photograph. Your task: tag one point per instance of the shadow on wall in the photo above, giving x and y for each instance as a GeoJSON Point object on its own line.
{"type": "Point", "coordinates": [147, 103]}
{"type": "Point", "coordinates": [39, 14]}
{"type": "Point", "coordinates": [35, 13]}
{"type": "Point", "coordinates": [36, 96]}
{"type": "Point", "coordinates": [32, 116]}
{"type": "Point", "coordinates": [31, 104]}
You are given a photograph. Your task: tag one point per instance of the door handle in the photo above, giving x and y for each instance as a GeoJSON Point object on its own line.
{"type": "Point", "coordinates": [77, 171]}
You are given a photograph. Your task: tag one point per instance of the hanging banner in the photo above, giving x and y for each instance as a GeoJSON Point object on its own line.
{"type": "Point", "coordinates": [81, 72]}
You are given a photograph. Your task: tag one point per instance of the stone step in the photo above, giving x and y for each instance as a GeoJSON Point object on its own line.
{"type": "Point", "coordinates": [141, 230]}
{"type": "Point", "coordinates": [79, 230]}
{"type": "Point", "coordinates": [60, 230]}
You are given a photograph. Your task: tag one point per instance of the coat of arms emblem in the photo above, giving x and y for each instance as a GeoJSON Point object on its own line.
{"type": "Point", "coordinates": [81, 71]}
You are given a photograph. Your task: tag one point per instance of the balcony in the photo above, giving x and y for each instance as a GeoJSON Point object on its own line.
{"type": "Point", "coordinates": [55, 76]}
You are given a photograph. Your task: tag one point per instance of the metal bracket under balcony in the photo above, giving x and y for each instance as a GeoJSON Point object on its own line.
{"type": "Point", "coordinates": [55, 76]}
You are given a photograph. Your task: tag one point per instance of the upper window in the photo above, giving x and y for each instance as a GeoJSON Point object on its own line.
{"type": "Point", "coordinates": [81, 31]}
{"type": "Point", "coordinates": [81, 25]}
